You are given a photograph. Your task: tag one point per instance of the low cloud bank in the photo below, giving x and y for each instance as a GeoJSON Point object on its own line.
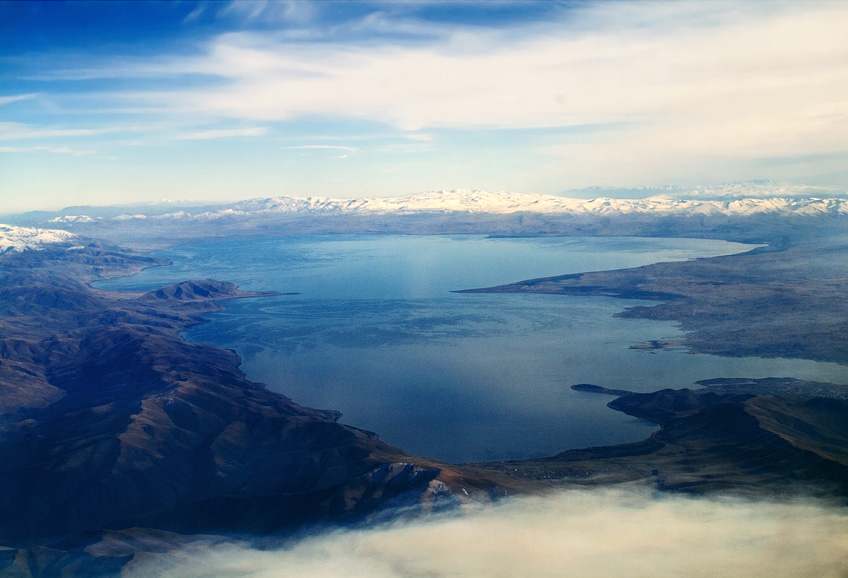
{"type": "Point", "coordinates": [575, 534]}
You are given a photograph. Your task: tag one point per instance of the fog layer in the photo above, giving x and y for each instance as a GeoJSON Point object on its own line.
{"type": "Point", "coordinates": [576, 533]}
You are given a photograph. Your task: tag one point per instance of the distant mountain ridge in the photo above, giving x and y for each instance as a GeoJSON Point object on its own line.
{"type": "Point", "coordinates": [750, 211]}
{"type": "Point", "coordinates": [498, 203]}
{"type": "Point", "coordinates": [16, 239]}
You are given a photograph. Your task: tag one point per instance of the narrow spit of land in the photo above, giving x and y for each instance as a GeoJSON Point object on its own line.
{"type": "Point", "coordinates": [770, 302]}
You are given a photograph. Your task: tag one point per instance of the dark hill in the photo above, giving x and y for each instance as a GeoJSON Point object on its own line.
{"type": "Point", "coordinates": [193, 290]}
{"type": "Point", "coordinates": [713, 441]}
{"type": "Point", "coordinates": [111, 420]}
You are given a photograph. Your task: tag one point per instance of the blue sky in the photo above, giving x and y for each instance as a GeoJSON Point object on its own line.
{"type": "Point", "coordinates": [120, 102]}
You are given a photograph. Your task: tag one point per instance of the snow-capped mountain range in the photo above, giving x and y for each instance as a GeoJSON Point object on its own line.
{"type": "Point", "coordinates": [17, 239]}
{"type": "Point", "coordinates": [472, 201]}
{"type": "Point", "coordinates": [503, 203]}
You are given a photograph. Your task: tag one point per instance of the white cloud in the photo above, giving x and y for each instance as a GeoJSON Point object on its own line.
{"type": "Point", "coordinates": [265, 11]}
{"type": "Point", "coordinates": [422, 136]}
{"type": "Point", "coordinates": [14, 131]}
{"type": "Point", "coordinates": [549, 79]}
{"type": "Point", "coordinates": [673, 81]}
{"type": "Point", "coordinates": [322, 147]}
{"type": "Point", "coordinates": [16, 98]}
{"type": "Point", "coordinates": [222, 133]}
{"type": "Point", "coordinates": [656, 92]}
{"type": "Point", "coordinates": [49, 149]}
{"type": "Point", "coordinates": [575, 534]}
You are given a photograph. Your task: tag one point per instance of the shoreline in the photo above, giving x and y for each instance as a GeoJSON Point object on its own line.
{"type": "Point", "coordinates": [575, 276]}
{"type": "Point", "coordinates": [740, 305]}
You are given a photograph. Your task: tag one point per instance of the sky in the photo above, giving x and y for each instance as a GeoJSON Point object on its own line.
{"type": "Point", "coordinates": [131, 101]}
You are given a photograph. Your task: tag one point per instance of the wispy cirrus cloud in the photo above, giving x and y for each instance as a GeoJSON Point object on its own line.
{"type": "Point", "coordinates": [757, 79]}
{"type": "Point", "coordinates": [48, 149]}
{"type": "Point", "coordinates": [270, 11]}
{"type": "Point", "coordinates": [565, 95]}
{"type": "Point", "coordinates": [322, 147]}
{"type": "Point", "coordinates": [684, 78]}
{"type": "Point", "coordinates": [222, 133]}
{"type": "Point", "coordinates": [15, 131]}
{"type": "Point", "coordinates": [4, 100]}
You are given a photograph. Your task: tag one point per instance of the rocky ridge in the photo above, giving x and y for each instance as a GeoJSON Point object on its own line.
{"type": "Point", "coordinates": [111, 420]}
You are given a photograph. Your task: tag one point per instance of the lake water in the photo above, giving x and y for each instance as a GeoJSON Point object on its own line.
{"type": "Point", "coordinates": [375, 332]}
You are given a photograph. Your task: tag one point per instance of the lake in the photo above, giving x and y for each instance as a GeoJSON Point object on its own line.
{"type": "Point", "coordinates": [375, 332]}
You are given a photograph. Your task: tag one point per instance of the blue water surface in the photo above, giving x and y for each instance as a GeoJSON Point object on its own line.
{"type": "Point", "coordinates": [375, 331]}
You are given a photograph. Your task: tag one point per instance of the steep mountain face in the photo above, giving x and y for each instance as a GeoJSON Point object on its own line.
{"type": "Point", "coordinates": [110, 420]}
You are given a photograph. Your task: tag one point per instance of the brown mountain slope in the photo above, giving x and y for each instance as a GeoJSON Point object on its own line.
{"type": "Point", "coordinates": [714, 441]}
{"type": "Point", "coordinates": [111, 420]}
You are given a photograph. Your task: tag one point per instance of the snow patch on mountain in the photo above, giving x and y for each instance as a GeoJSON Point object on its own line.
{"type": "Point", "coordinates": [15, 239]}
{"type": "Point", "coordinates": [722, 200]}
{"type": "Point", "coordinates": [472, 201]}
{"type": "Point", "coordinates": [75, 219]}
